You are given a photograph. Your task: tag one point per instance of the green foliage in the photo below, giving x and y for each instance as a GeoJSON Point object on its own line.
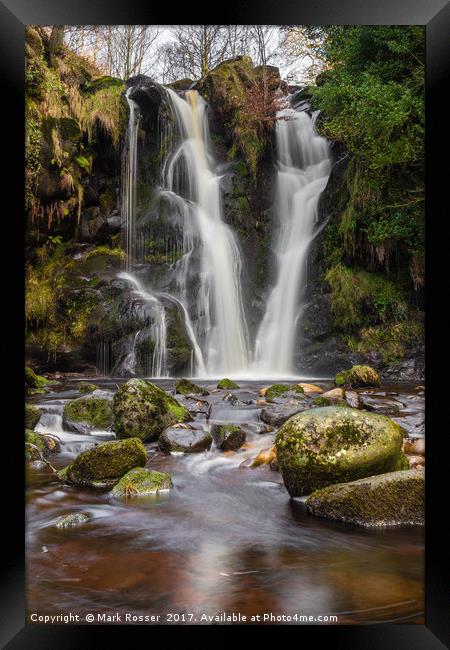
{"type": "Point", "coordinates": [105, 250]}
{"type": "Point", "coordinates": [371, 99]}
{"type": "Point", "coordinates": [391, 341]}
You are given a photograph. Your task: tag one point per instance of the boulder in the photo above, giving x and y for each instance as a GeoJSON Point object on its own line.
{"type": "Point", "coordinates": [32, 416]}
{"type": "Point", "coordinates": [392, 499]}
{"type": "Point", "coordinates": [358, 376]}
{"type": "Point", "coordinates": [141, 482]}
{"type": "Point", "coordinates": [228, 437]}
{"type": "Point", "coordinates": [85, 414]}
{"type": "Point", "coordinates": [227, 384]}
{"type": "Point", "coordinates": [188, 441]}
{"type": "Point", "coordinates": [143, 410]}
{"type": "Point", "coordinates": [332, 444]}
{"type": "Point", "coordinates": [73, 520]}
{"type": "Point", "coordinates": [105, 464]}
{"type": "Point", "coordinates": [186, 387]}
{"type": "Point", "coordinates": [45, 445]}
{"type": "Point", "coordinates": [277, 415]}
{"type": "Point", "coordinates": [279, 390]}
{"type": "Point", "coordinates": [310, 388]}
{"type": "Point", "coordinates": [265, 457]}
{"type": "Point", "coordinates": [86, 387]}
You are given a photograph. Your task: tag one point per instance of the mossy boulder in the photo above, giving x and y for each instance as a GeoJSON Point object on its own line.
{"type": "Point", "coordinates": [105, 464]}
{"type": "Point", "coordinates": [32, 416]}
{"type": "Point", "coordinates": [228, 437]}
{"type": "Point", "coordinates": [227, 384]}
{"type": "Point", "coordinates": [358, 376]}
{"type": "Point", "coordinates": [86, 387]}
{"type": "Point", "coordinates": [186, 387]}
{"type": "Point", "coordinates": [141, 482]}
{"type": "Point", "coordinates": [74, 520]}
{"type": "Point", "coordinates": [45, 444]}
{"type": "Point", "coordinates": [144, 410]}
{"type": "Point", "coordinates": [327, 445]}
{"type": "Point", "coordinates": [34, 384]}
{"type": "Point", "coordinates": [279, 390]}
{"type": "Point", "coordinates": [393, 499]}
{"type": "Point", "coordinates": [186, 440]}
{"type": "Point", "coordinates": [87, 413]}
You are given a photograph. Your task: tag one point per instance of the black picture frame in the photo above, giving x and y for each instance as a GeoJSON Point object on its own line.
{"type": "Point", "coordinates": [435, 14]}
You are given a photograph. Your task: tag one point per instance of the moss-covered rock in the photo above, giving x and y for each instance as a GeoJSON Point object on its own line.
{"type": "Point", "coordinates": [86, 387]}
{"type": "Point", "coordinates": [74, 520]}
{"type": "Point", "coordinates": [393, 499]}
{"type": "Point", "coordinates": [186, 440]}
{"type": "Point", "coordinates": [277, 390]}
{"type": "Point", "coordinates": [87, 413]}
{"type": "Point", "coordinates": [358, 376]}
{"type": "Point", "coordinates": [141, 482]}
{"type": "Point", "coordinates": [34, 384]}
{"type": "Point", "coordinates": [328, 401]}
{"type": "Point", "coordinates": [45, 444]}
{"type": "Point", "coordinates": [331, 444]}
{"type": "Point", "coordinates": [105, 464]}
{"type": "Point", "coordinates": [227, 384]}
{"type": "Point", "coordinates": [186, 387]}
{"type": "Point", "coordinates": [32, 416]}
{"type": "Point", "coordinates": [143, 410]}
{"type": "Point", "coordinates": [228, 437]}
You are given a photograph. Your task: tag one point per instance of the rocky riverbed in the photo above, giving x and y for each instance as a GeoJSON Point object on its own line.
{"type": "Point", "coordinates": [215, 529]}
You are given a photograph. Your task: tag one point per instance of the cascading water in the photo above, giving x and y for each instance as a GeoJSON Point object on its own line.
{"type": "Point", "coordinates": [192, 188]}
{"type": "Point", "coordinates": [304, 165]}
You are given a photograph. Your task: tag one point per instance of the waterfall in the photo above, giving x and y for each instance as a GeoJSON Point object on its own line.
{"type": "Point", "coordinates": [304, 164]}
{"type": "Point", "coordinates": [191, 185]}
{"type": "Point", "coordinates": [129, 170]}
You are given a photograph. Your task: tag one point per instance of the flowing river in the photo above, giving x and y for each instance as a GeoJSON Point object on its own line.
{"type": "Point", "coordinates": [226, 538]}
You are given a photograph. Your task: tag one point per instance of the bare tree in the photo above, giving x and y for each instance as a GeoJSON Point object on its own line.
{"type": "Point", "coordinates": [302, 50]}
{"type": "Point", "coordinates": [265, 40]}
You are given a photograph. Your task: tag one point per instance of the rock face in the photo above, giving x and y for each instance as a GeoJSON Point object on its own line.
{"type": "Point", "coordinates": [228, 437]}
{"type": "Point", "coordinates": [141, 482]}
{"type": "Point", "coordinates": [358, 376]}
{"type": "Point", "coordinates": [32, 416]}
{"type": "Point", "coordinates": [87, 413]}
{"type": "Point", "coordinates": [189, 441]}
{"type": "Point", "coordinates": [104, 464]}
{"type": "Point", "coordinates": [185, 387]}
{"type": "Point", "coordinates": [329, 445]}
{"type": "Point", "coordinates": [143, 410]}
{"type": "Point", "coordinates": [393, 499]}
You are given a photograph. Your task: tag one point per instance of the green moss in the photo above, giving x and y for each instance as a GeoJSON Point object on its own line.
{"type": "Point", "coordinates": [38, 441]}
{"type": "Point", "coordinates": [395, 498]}
{"type": "Point", "coordinates": [105, 464]}
{"type": "Point", "coordinates": [141, 482]}
{"type": "Point", "coordinates": [322, 446]}
{"type": "Point", "coordinates": [34, 383]}
{"type": "Point", "coordinates": [32, 416]}
{"type": "Point", "coordinates": [276, 390]}
{"type": "Point", "coordinates": [227, 384]}
{"type": "Point", "coordinates": [358, 376]}
{"type": "Point", "coordinates": [85, 387]}
{"type": "Point", "coordinates": [327, 401]}
{"type": "Point", "coordinates": [185, 387]}
{"type": "Point", "coordinates": [95, 411]}
{"type": "Point", "coordinates": [144, 410]}
{"type": "Point", "coordinates": [118, 253]}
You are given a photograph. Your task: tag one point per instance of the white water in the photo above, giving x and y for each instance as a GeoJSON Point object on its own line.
{"type": "Point", "coordinates": [304, 165]}
{"type": "Point", "coordinates": [129, 181]}
{"type": "Point", "coordinates": [221, 324]}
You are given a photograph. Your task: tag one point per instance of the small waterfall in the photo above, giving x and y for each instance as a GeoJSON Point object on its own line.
{"type": "Point", "coordinates": [304, 165]}
{"type": "Point", "coordinates": [129, 170]}
{"type": "Point", "coordinates": [191, 185]}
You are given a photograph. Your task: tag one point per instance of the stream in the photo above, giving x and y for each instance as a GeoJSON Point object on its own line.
{"type": "Point", "coordinates": [226, 538]}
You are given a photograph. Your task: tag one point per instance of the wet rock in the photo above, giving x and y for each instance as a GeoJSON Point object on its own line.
{"type": "Point", "coordinates": [383, 405]}
{"type": "Point", "coordinates": [415, 461]}
{"type": "Point", "coordinates": [392, 499]}
{"type": "Point", "coordinates": [274, 465]}
{"type": "Point", "coordinates": [144, 410]}
{"type": "Point", "coordinates": [105, 464]}
{"type": "Point", "coordinates": [414, 446]}
{"type": "Point", "coordinates": [310, 388]}
{"type": "Point", "coordinates": [265, 457]}
{"type": "Point", "coordinates": [353, 399]}
{"type": "Point", "coordinates": [263, 391]}
{"type": "Point", "coordinates": [189, 441]}
{"type": "Point", "coordinates": [86, 387]}
{"type": "Point", "coordinates": [277, 415]}
{"type": "Point", "coordinates": [329, 445]}
{"type": "Point", "coordinates": [32, 416]}
{"type": "Point", "coordinates": [141, 482]}
{"type": "Point", "coordinates": [259, 428]}
{"type": "Point", "coordinates": [39, 445]}
{"type": "Point", "coordinates": [358, 376]}
{"type": "Point", "coordinates": [334, 393]}
{"type": "Point", "coordinates": [228, 437]}
{"type": "Point", "coordinates": [185, 387]}
{"type": "Point", "coordinates": [227, 384]}
{"type": "Point", "coordinates": [329, 400]}
{"type": "Point", "coordinates": [414, 424]}
{"type": "Point", "coordinates": [85, 414]}
{"type": "Point", "coordinates": [73, 520]}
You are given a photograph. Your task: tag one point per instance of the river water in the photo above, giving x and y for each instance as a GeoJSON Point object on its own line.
{"type": "Point", "coordinates": [226, 538]}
